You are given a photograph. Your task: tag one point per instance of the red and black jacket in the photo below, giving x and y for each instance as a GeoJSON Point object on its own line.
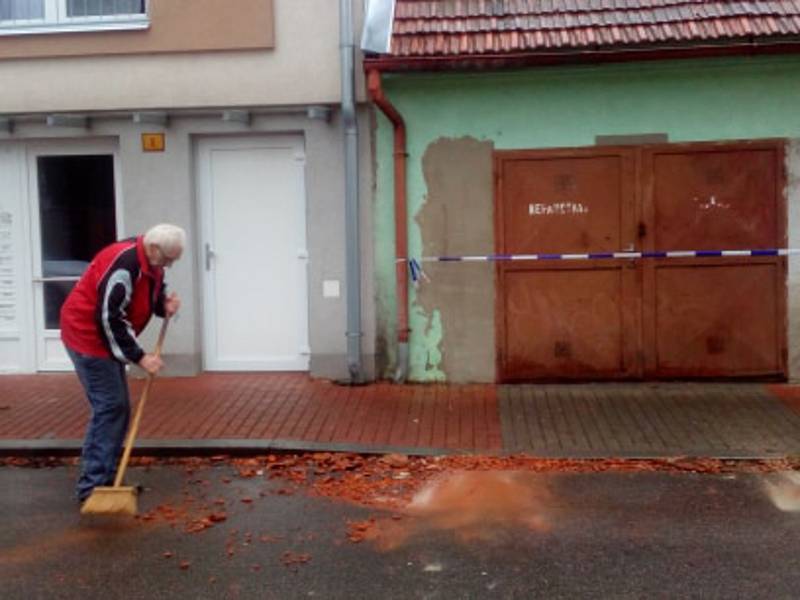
{"type": "Point", "coordinates": [112, 303]}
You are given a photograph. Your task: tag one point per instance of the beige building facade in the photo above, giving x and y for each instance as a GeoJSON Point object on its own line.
{"type": "Point", "coordinates": [221, 117]}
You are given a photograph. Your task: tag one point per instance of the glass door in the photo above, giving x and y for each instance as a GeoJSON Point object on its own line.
{"type": "Point", "coordinates": [74, 215]}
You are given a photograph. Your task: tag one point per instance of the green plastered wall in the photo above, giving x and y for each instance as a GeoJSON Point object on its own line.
{"type": "Point", "coordinates": [691, 100]}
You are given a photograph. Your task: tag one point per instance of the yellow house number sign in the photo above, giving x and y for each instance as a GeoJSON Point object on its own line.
{"type": "Point", "coordinates": [153, 142]}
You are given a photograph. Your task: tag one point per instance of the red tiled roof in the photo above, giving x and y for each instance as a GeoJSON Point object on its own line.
{"type": "Point", "coordinates": [474, 28]}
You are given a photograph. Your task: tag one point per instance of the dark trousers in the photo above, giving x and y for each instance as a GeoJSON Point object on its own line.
{"type": "Point", "coordinates": [103, 380]}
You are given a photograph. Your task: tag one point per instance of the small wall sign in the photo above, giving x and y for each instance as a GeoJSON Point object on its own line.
{"type": "Point", "coordinates": [153, 142]}
{"type": "Point", "coordinates": [557, 208]}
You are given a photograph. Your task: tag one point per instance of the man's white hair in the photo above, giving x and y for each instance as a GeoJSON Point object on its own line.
{"type": "Point", "coordinates": [170, 238]}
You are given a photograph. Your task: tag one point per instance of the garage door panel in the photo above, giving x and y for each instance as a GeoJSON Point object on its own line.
{"type": "Point", "coordinates": [570, 204]}
{"type": "Point", "coordinates": [564, 323]}
{"type": "Point", "coordinates": [717, 320]}
{"type": "Point", "coordinates": [564, 319]}
{"type": "Point", "coordinates": [715, 200]}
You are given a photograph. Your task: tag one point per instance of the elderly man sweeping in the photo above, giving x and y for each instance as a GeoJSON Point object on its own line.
{"type": "Point", "coordinates": [109, 306]}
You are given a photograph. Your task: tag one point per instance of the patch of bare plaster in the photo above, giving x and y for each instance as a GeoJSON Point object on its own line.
{"type": "Point", "coordinates": [457, 219]}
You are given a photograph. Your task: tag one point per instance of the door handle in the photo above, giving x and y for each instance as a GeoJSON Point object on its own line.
{"type": "Point", "coordinates": [209, 253]}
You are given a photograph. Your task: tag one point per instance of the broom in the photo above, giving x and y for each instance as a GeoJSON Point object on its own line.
{"type": "Point", "coordinates": [120, 499]}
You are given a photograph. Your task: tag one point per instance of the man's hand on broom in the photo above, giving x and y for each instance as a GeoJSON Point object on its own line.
{"type": "Point", "coordinates": [151, 363]}
{"type": "Point", "coordinates": [172, 304]}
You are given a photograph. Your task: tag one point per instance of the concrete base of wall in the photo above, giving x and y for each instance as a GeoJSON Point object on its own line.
{"type": "Point", "coordinates": [175, 365]}
{"type": "Point", "coordinates": [323, 366]}
{"type": "Point", "coordinates": [334, 366]}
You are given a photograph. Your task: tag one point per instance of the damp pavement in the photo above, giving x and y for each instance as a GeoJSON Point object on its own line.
{"type": "Point", "coordinates": [463, 534]}
{"type": "Point", "coordinates": [253, 413]}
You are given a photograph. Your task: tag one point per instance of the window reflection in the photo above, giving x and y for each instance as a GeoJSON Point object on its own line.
{"type": "Point", "coordinates": [77, 218]}
{"type": "Point", "coordinates": [12, 10]}
{"type": "Point", "coordinates": [96, 8]}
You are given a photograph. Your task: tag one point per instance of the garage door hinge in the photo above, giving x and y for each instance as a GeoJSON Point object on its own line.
{"type": "Point", "coordinates": [300, 157]}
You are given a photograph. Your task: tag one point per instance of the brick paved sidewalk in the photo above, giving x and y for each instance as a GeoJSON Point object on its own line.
{"type": "Point", "coordinates": [260, 412]}
{"type": "Point", "coordinates": [647, 420]}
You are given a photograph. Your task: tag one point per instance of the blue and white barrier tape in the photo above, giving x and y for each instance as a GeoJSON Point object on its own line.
{"type": "Point", "coordinates": [417, 272]}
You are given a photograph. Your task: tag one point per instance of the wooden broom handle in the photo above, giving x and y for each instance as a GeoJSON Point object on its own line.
{"type": "Point", "coordinates": [134, 428]}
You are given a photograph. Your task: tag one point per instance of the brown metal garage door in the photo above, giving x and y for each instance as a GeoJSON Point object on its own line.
{"type": "Point", "coordinates": [652, 318]}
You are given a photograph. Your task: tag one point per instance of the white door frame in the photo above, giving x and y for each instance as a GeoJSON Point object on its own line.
{"type": "Point", "coordinates": [50, 353]}
{"type": "Point", "coordinates": [17, 338]}
{"type": "Point", "coordinates": [206, 244]}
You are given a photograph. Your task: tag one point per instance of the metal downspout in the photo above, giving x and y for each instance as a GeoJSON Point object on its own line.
{"type": "Point", "coordinates": [352, 229]}
{"type": "Point", "coordinates": [400, 218]}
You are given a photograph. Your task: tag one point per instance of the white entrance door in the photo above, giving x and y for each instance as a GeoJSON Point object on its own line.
{"type": "Point", "coordinates": [74, 212]}
{"type": "Point", "coordinates": [253, 253]}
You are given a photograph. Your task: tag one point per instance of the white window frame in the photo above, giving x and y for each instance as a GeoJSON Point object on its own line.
{"type": "Point", "coordinates": [56, 21]}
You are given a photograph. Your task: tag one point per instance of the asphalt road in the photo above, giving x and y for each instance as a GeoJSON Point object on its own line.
{"type": "Point", "coordinates": [512, 535]}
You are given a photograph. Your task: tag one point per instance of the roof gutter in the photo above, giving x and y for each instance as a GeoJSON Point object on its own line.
{"type": "Point", "coordinates": [378, 96]}
{"type": "Point", "coordinates": [463, 62]}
